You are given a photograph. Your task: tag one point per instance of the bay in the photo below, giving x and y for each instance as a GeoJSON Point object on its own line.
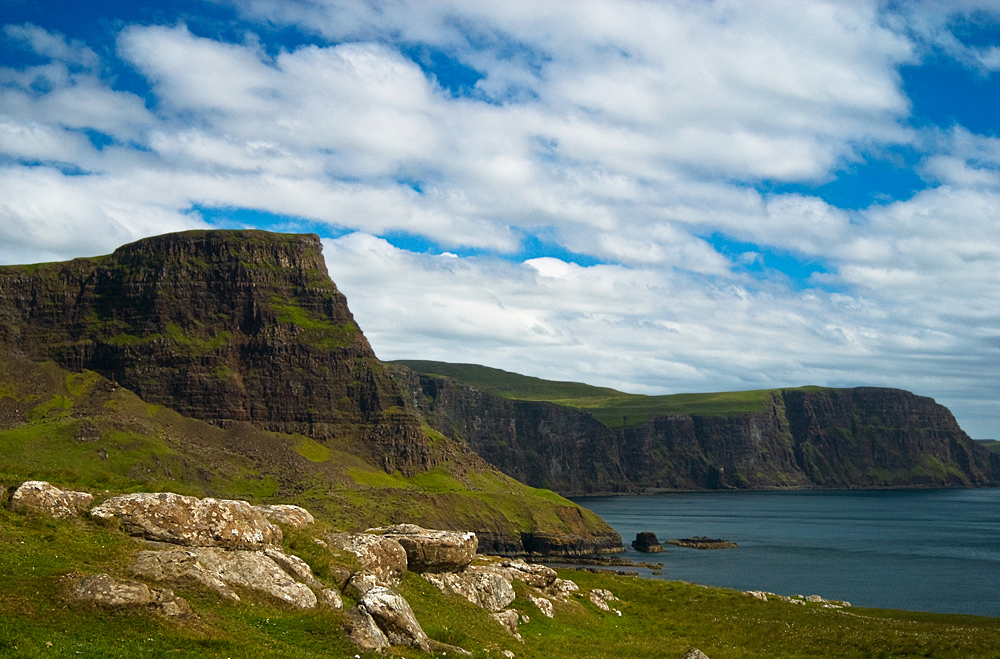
{"type": "Point", "coordinates": [919, 550]}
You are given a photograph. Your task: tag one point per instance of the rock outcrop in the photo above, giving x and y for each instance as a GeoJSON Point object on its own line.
{"type": "Point", "coordinates": [646, 541]}
{"type": "Point", "coordinates": [222, 326]}
{"type": "Point", "coordinates": [432, 550]}
{"type": "Point", "coordinates": [802, 438]}
{"type": "Point", "coordinates": [282, 513]}
{"type": "Point", "coordinates": [41, 497]}
{"type": "Point", "coordinates": [102, 590]}
{"type": "Point", "coordinates": [383, 557]}
{"type": "Point", "coordinates": [190, 521]}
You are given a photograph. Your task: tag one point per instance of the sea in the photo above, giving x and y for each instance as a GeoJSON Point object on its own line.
{"type": "Point", "coordinates": [919, 550]}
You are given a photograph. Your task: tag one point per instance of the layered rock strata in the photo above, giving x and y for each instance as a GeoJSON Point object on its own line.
{"type": "Point", "coordinates": [802, 438]}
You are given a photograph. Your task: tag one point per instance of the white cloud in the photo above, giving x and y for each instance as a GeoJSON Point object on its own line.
{"type": "Point", "coordinates": [625, 131]}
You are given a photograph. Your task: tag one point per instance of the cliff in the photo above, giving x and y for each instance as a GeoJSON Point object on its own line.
{"type": "Point", "coordinates": [221, 326]}
{"type": "Point", "coordinates": [801, 438]}
{"type": "Point", "coordinates": [245, 331]}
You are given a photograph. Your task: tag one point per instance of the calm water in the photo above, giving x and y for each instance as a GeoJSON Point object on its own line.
{"type": "Point", "coordinates": [923, 550]}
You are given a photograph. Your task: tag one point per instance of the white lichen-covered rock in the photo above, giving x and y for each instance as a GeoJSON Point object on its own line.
{"type": "Point", "coordinates": [41, 497]}
{"type": "Point", "coordinates": [383, 557]}
{"type": "Point", "coordinates": [256, 570]}
{"type": "Point", "coordinates": [393, 615]}
{"type": "Point", "coordinates": [363, 631]}
{"type": "Point", "coordinates": [562, 588]}
{"type": "Point", "coordinates": [539, 576]}
{"type": "Point", "coordinates": [179, 565]}
{"type": "Point", "coordinates": [757, 594]}
{"type": "Point", "coordinates": [294, 566]}
{"type": "Point", "coordinates": [484, 586]}
{"type": "Point", "coordinates": [600, 598]}
{"type": "Point", "coordinates": [330, 598]}
{"type": "Point", "coordinates": [694, 653]}
{"type": "Point", "coordinates": [190, 521]}
{"type": "Point", "coordinates": [430, 550]}
{"type": "Point", "coordinates": [360, 583]}
{"type": "Point", "coordinates": [544, 605]}
{"type": "Point", "coordinates": [102, 590]}
{"type": "Point", "coordinates": [509, 619]}
{"type": "Point", "coordinates": [283, 513]}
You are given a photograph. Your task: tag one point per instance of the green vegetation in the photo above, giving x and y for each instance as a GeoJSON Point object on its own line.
{"type": "Point", "coordinates": [317, 332]}
{"type": "Point", "coordinates": [659, 618]}
{"type": "Point", "coordinates": [610, 407]}
{"type": "Point", "coordinates": [991, 445]}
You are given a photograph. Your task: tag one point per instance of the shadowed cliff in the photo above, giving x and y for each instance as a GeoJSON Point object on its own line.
{"type": "Point", "coordinates": [799, 438]}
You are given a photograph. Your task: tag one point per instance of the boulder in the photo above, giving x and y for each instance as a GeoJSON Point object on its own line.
{"type": "Point", "coordinates": [178, 565]}
{"type": "Point", "coordinates": [393, 615]}
{"type": "Point", "coordinates": [484, 586]}
{"type": "Point", "coordinates": [363, 631]}
{"type": "Point", "coordinates": [508, 619]}
{"type": "Point", "coordinates": [757, 594]}
{"type": "Point", "coordinates": [538, 576]}
{"type": "Point", "coordinates": [429, 550]}
{"type": "Point", "coordinates": [694, 653]}
{"type": "Point", "coordinates": [293, 516]}
{"type": "Point", "coordinates": [360, 583]}
{"type": "Point", "coordinates": [647, 542]}
{"type": "Point", "coordinates": [330, 598]}
{"type": "Point", "coordinates": [189, 521]}
{"type": "Point", "coordinates": [255, 569]}
{"type": "Point", "coordinates": [562, 588]}
{"type": "Point", "coordinates": [294, 566]}
{"type": "Point", "coordinates": [383, 557]}
{"type": "Point", "coordinates": [40, 496]}
{"type": "Point", "coordinates": [102, 590]}
{"type": "Point", "coordinates": [544, 605]}
{"type": "Point", "coordinates": [600, 598]}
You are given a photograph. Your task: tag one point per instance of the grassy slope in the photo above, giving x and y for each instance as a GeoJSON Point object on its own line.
{"type": "Point", "coordinates": [991, 445]}
{"type": "Point", "coordinates": [612, 408]}
{"type": "Point", "coordinates": [78, 430]}
{"type": "Point", "coordinates": [659, 619]}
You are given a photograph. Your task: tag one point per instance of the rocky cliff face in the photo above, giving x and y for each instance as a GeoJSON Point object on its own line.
{"type": "Point", "coordinates": [222, 326]}
{"type": "Point", "coordinates": [823, 438]}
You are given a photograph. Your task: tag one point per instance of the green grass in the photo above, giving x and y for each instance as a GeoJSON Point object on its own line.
{"type": "Point", "coordinates": [659, 618]}
{"type": "Point", "coordinates": [610, 407]}
{"type": "Point", "coordinates": [991, 445]}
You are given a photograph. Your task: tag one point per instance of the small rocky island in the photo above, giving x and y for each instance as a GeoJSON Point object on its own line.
{"type": "Point", "coordinates": [701, 542]}
{"type": "Point", "coordinates": [647, 542]}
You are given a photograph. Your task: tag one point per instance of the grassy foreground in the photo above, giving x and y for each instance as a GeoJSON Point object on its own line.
{"type": "Point", "coordinates": [659, 619]}
{"type": "Point", "coordinates": [611, 407]}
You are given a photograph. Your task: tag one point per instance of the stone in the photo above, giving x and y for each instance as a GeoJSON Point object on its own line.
{"type": "Point", "coordinates": [363, 631]}
{"type": "Point", "coordinates": [758, 594]}
{"type": "Point", "coordinates": [394, 617]}
{"type": "Point", "coordinates": [360, 583]}
{"type": "Point", "coordinates": [814, 598]}
{"type": "Point", "coordinates": [294, 566]}
{"type": "Point", "coordinates": [190, 521]}
{"type": "Point", "coordinates": [331, 599]}
{"type": "Point", "coordinates": [508, 619]}
{"type": "Point", "coordinates": [483, 586]}
{"type": "Point", "coordinates": [40, 496]}
{"type": "Point", "coordinates": [177, 565]}
{"type": "Point", "coordinates": [539, 576]}
{"type": "Point", "coordinates": [562, 588]}
{"type": "Point", "coordinates": [544, 605]}
{"type": "Point", "coordinates": [283, 513]}
{"type": "Point", "coordinates": [600, 598]}
{"type": "Point", "coordinates": [102, 590]}
{"type": "Point", "coordinates": [256, 570]}
{"type": "Point", "coordinates": [383, 557]}
{"type": "Point", "coordinates": [694, 653]}
{"type": "Point", "coordinates": [429, 550]}
{"type": "Point", "coordinates": [647, 542]}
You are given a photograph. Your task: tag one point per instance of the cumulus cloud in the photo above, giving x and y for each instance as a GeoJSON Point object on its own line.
{"type": "Point", "coordinates": [629, 133]}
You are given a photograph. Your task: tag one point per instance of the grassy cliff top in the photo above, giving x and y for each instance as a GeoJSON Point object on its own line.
{"type": "Point", "coordinates": [611, 407]}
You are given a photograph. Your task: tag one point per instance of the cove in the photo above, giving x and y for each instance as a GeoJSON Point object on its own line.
{"type": "Point", "coordinates": [919, 550]}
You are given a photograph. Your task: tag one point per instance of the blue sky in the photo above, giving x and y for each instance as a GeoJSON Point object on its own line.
{"type": "Point", "coordinates": [656, 196]}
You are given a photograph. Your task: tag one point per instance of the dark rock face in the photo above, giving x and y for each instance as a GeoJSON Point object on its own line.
{"type": "Point", "coordinates": [647, 542]}
{"type": "Point", "coordinates": [223, 326]}
{"type": "Point", "coordinates": [824, 438]}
